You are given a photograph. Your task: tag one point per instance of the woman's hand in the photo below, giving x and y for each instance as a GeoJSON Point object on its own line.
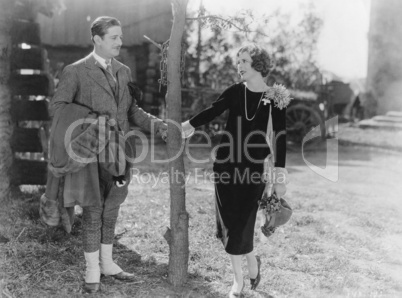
{"type": "Point", "coordinates": [187, 130]}
{"type": "Point", "coordinates": [279, 189]}
{"type": "Point", "coordinates": [280, 179]}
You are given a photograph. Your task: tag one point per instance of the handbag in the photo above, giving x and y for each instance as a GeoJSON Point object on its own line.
{"type": "Point", "coordinates": [276, 212]}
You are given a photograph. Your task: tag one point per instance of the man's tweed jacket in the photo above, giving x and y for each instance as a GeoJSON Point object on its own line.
{"type": "Point", "coordinates": [84, 83]}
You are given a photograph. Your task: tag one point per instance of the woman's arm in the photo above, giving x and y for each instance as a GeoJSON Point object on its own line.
{"type": "Point", "coordinates": [217, 108]}
{"type": "Point", "coordinates": [280, 172]}
{"type": "Point", "coordinates": [279, 128]}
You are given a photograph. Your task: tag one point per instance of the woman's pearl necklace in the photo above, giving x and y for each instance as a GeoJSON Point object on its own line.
{"type": "Point", "coordinates": [245, 104]}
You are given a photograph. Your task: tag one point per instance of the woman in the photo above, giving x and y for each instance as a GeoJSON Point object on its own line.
{"type": "Point", "coordinates": [242, 156]}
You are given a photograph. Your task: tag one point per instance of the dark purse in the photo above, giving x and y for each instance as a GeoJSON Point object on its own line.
{"type": "Point", "coordinates": [276, 211]}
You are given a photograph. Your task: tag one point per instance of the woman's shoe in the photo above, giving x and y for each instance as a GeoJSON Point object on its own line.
{"type": "Point", "coordinates": [255, 281]}
{"type": "Point", "coordinates": [233, 294]}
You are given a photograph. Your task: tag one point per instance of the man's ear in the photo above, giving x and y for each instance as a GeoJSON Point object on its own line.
{"type": "Point", "coordinates": [97, 39]}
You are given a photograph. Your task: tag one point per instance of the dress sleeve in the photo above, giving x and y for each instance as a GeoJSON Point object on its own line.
{"type": "Point", "coordinates": [279, 127]}
{"type": "Point", "coordinates": [217, 108]}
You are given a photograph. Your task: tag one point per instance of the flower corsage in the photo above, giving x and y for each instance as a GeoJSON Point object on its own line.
{"type": "Point", "coordinates": [279, 95]}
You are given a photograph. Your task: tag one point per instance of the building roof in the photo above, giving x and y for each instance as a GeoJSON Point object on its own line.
{"type": "Point", "coordinates": [138, 17]}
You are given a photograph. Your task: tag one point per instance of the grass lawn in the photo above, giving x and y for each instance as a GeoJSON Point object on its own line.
{"type": "Point", "coordinates": [326, 250]}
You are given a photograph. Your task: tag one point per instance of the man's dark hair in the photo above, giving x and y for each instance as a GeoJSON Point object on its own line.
{"type": "Point", "coordinates": [261, 61]}
{"type": "Point", "coordinates": [101, 24]}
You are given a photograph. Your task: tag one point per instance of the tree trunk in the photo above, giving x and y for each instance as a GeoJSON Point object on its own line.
{"type": "Point", "coordinates": [5, 97]}
{"type": "Point", "coordinates": [177, 236]}
{"type": "Point", "coordinates": [199, 48]}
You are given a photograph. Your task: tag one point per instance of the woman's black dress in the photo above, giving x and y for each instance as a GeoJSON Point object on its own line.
{"type": "Point", "coordinates": [239, 163]}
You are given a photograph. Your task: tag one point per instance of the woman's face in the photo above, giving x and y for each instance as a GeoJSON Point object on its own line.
{"type": "Point", "coordinates": [244, 68]}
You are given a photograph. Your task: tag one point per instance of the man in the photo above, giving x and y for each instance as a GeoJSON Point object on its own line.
{"type": "Point", "coordinates": [100, 83]}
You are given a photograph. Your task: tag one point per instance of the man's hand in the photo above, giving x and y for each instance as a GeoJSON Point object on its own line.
{"type": "Point", "coordinates": [187, 130]}
{"type": "Point", "coordinates": [162, 130]}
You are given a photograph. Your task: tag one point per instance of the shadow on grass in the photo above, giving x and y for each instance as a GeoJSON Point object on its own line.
{"type": "Point", "coordinates": [152, 278]}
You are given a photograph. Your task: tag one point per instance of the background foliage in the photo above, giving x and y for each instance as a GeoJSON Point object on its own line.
{"type": "Point", "coordinates": [291, 43]}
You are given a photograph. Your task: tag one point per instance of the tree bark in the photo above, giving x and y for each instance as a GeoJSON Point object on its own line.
{"type": "Point", "coordinates": [6, 128]}
{"type": "Point", "coordinates": [199, 48]}
{"type": "Point", "coordinates": [177, 235]}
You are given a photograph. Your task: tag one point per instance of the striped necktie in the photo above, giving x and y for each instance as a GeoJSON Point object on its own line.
{"type": "Point", "coordinates": [111, 79]}
{"type": "Point", "coordinates": [109, 70]}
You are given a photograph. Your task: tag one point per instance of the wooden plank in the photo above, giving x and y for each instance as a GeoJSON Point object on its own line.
{"type": "Point", "coordinates": [32, 172]}
{"type": "Point", "coordinates": [26, 110]}
{"type": "Point", "coordinates": [34, 58]}
{"type": "Point", "coordinates": [44, 136]}
{"type": "Point", "coordinates": [37, 84]}
{"type": "Point", "coordinates": [26, 140]}
{"type": "Point", "coordinates": [25, 32]}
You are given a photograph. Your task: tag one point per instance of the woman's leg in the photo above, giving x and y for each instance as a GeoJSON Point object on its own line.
{"type": "Point", "coordinates": [238, 274]}
{"type": "Point", "coordinates": [252, 265]}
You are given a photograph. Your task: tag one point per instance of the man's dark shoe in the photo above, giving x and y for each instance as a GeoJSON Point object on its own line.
{"type": "Point", "coordinates": [91, 288]}
{"type": "Point", "coordinates": [124, 276]}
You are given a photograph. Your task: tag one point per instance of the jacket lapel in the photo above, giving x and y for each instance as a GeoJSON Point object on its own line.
{"type": "Point", "coordinates": [96, 74]}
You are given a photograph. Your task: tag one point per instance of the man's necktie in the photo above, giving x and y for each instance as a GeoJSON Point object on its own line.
{"type": "Point", "coordinates": [109, 70]}
{"type": "Point", "coordinates": [110, 77]}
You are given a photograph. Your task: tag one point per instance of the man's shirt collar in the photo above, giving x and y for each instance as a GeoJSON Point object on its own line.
{"type": "Point", "coordinates": [101, 60]}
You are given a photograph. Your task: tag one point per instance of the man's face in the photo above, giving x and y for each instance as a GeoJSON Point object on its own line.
{"type": "Point", "coordinates": [109, 46]}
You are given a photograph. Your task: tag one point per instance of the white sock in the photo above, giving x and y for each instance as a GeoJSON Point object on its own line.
{"type": "Point", "coordinates": [107, 266]}
{"type": "Point", "coordinates": [92, 273]}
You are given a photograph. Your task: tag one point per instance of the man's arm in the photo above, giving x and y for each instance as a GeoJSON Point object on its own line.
{"type": "Point", "coordinates": [66, 90]}
{"type": "Point", "coordinates": [139, 117]}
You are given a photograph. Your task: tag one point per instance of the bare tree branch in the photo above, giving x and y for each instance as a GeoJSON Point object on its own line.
{"type": "Point", "coordinates": [217, 18]}
{"type": "Point", "coordinates": [244, 28]}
